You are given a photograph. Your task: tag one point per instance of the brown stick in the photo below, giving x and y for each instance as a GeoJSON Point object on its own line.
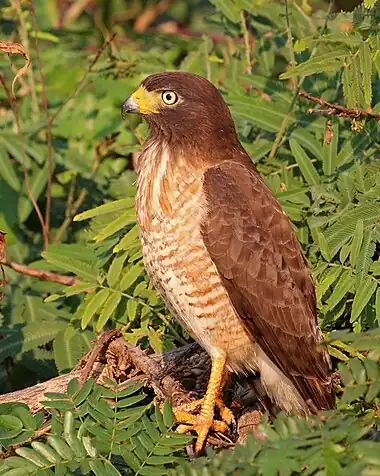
{"type": "Point", "coordinates": [337, 109]}
{"type": "Point", "coordinates": [41, 274]}
{"type": "Point", "coordinates": [34, 396]}
{"type": "Point", "coordinates": [45, 104]}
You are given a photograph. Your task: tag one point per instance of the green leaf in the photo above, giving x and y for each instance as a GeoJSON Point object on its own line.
{"type": "Point", "coordinates": [10, 426]}
{"type": "Point", "coordinates": [369, 3]}
{"type": "Point", "coordinates": [348, 79]}
{"type": "Point", "coordinates": [323, 245]}
{"type": "Point", "coordinates": [7, 170]}
{"type": "Point", "coordinates": [168, 415]}
{"type": "Point", "coordinates": [80, 268]}
{"type": "Point", "coordinates": [130, 458]}
{"type": "Point", "coordinates": [306, 166]}
{"type": "Point", "coordinates": [263, 114]}
{"type": "Point", "coordinates": [108, 309]}
{"type": "Point", "coordinates": [363, 294]}
{"type": "Point", "coordinates": [127, 240]}
{"type": "Point", "coordinates": [132, 305]}
{"type": "Point", "coordinates": [115, 269]}
{"type": "Point", "coordinates": [365, 255]}
{"type": "Point", "coordinates": [377, 304]}
{"type": "Point", "coordinates": [341, 288]}
{"type": "Point", "coordinates": [113, 207]}
{"type": "Point", "coordinates": [93, 306]}
{"type": "Point", "coordinates": [330, 61]}
{"type": "Point", "coordinates": [366, 72]}
{"type": "Point", "coordinates": [32, 456]}
{"type": "Point", "coordinates": [83, 393]}
{"type": "Point", "coordinates": [67, 350]}
{"type": "Point", "coordinates": [46, 451]}
{"type": "Point", "coordinates": [116, 225]}
{"type": "Point", "coordinates": [79, 289]}
{"type": "Point", "coordinates": [131, 276]}
{"type": "Point", "coordinates": [229, 9]}
{"type": "Point", "coordinates": [357, 241]}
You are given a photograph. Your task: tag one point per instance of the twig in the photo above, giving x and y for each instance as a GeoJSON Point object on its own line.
{"type": "Point", "coordinates": [24, 169]}
{"type": "Point", "coordinates": [36, 435]}
{"type": "Point", "coordinates": [151, 12]}
{"type": "Point", "coordinates": [290, 42]}
{"type": "Point", "coordinates": [337, 109]}
{"type": "Point", "coordinates": [73, 207]}
{"type": "Point", "coordinates": [84, 77]}
{"type": "Point", "coordinates": [41, 274]}
{"type": "Point", "coordinates": [49, 127]}
{"type": "Point", "coordinates": [23, 33]}
{"type": "Point", "coordinates": [286, 119]}
{"type": "Point", "coordinates": [104, 339]}
{"type": "Point", "coordinates": [296, 88]}
{"type": "Point", "coordinates": [155, 370]}
{"type": "Point", "coordinates": [247, 44]}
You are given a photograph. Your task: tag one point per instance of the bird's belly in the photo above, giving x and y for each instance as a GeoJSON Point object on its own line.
{"type": "Point", "coordinates": [185, 276]}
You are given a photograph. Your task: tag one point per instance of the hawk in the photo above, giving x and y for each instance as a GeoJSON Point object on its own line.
{"type": "Point", "coordinates": [222, 253]}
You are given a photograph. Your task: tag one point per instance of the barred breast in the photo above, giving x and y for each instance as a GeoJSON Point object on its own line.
{"type": "Point", "coordinates": [170, 208]}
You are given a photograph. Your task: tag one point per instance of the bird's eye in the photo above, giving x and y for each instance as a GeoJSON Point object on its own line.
{"type": "Point", "coordinates": [169, 97]}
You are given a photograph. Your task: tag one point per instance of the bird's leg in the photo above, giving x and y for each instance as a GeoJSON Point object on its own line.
{"type": "Point", "coordinates": [202, 422]}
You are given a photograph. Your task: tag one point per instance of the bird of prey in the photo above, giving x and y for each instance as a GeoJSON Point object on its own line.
{"type": "Point", "coordinates": [222, 253]}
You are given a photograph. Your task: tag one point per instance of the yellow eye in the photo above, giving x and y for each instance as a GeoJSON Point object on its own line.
{"type": "Point", "coordinates": [169, 97]}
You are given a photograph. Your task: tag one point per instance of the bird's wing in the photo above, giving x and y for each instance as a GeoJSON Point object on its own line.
{"type": "Point", "coordinates": [256, 252]}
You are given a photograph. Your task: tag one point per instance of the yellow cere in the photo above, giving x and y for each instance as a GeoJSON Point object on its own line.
{"type": "Point", "coordinates": [148, 102]}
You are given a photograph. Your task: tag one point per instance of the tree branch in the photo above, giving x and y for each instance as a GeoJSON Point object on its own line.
{"type": "Point", "coordinates": [337, 109]}
{"type": "Point", "coordinates": [41, 274]}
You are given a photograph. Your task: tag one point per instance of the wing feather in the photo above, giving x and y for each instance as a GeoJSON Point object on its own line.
{"type": "Point", "coordinates": [256, 252]}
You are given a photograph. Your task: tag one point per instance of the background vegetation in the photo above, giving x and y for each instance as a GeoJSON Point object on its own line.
{"type": "Point", "coordinates": [67, 206]}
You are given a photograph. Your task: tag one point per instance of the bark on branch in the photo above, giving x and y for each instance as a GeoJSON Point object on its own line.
{"type": "Point", "coordinates": [336, 109]}
{"type": "Point", "coordinates": [41, 273]}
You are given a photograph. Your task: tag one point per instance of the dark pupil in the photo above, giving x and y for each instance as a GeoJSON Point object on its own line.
{"type": "Point", "coordinates": [169, 97]}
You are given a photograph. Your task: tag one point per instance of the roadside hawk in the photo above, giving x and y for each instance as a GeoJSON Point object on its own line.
{"type": "Point", "coordinates": [222, 253]}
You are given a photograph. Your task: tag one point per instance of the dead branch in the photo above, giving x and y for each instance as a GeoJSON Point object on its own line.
{"type": "Point", "coordinates": [337, 109]}
{"type": "Point", "coordinates": [41, 274]}
{"type": "Point", "coordinates": [113, 357]}
{"type": "Point", "coordinates": [34, 396]}
{"type": "Point", "coordinates": [166, 374]}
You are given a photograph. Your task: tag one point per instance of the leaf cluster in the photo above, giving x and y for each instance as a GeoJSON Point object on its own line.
{"type": "Point", "coordinates": [101, 430]}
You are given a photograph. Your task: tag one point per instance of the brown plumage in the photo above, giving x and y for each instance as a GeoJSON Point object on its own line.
{"type": "Point", "coordinates": [221, 251]}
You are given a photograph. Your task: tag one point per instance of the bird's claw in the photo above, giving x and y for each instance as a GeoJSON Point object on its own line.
{"type": "Point", "coordinates": [204, 421]}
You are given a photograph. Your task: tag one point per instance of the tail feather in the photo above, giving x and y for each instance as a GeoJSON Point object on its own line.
{"type": "Point", "coordinates": [319, 394]}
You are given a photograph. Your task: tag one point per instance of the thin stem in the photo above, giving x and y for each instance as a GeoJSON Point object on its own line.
{"type": "Point", "coordinates": [24, 169]}
{"type": "Point", "coordinates": [23, 33]}
{"type": "Point", "coordinates": [41, 274]}
{"type": "Point", "coordinates": [286, 119]}
{"type": "Point", "coordinates": [247, 44]}
{"type": "Point", "coordinates": [49, 126]}
{"type": "Point", "coordinates": [292, 61]}
{"type": "Point", "coordinates": [70, 214]}
{"type": "Point", "coordinates": [84, 77]}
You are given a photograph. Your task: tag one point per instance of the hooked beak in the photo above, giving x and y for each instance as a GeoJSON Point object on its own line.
{"type": "Point", "coordinates": [129, 106]}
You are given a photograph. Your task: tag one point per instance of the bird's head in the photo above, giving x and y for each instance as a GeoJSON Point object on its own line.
{"type": "Point", "coordinates": [183, 106]}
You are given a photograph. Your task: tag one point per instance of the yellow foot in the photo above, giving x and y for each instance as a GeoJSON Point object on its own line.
{"type": "Point", "coordinates": [204, 421]}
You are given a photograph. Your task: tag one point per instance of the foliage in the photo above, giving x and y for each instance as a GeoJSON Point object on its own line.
{"type": "Point", "coordinates": [324, 171]}
{"type": "Point", "coordinates": [94, 429]}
